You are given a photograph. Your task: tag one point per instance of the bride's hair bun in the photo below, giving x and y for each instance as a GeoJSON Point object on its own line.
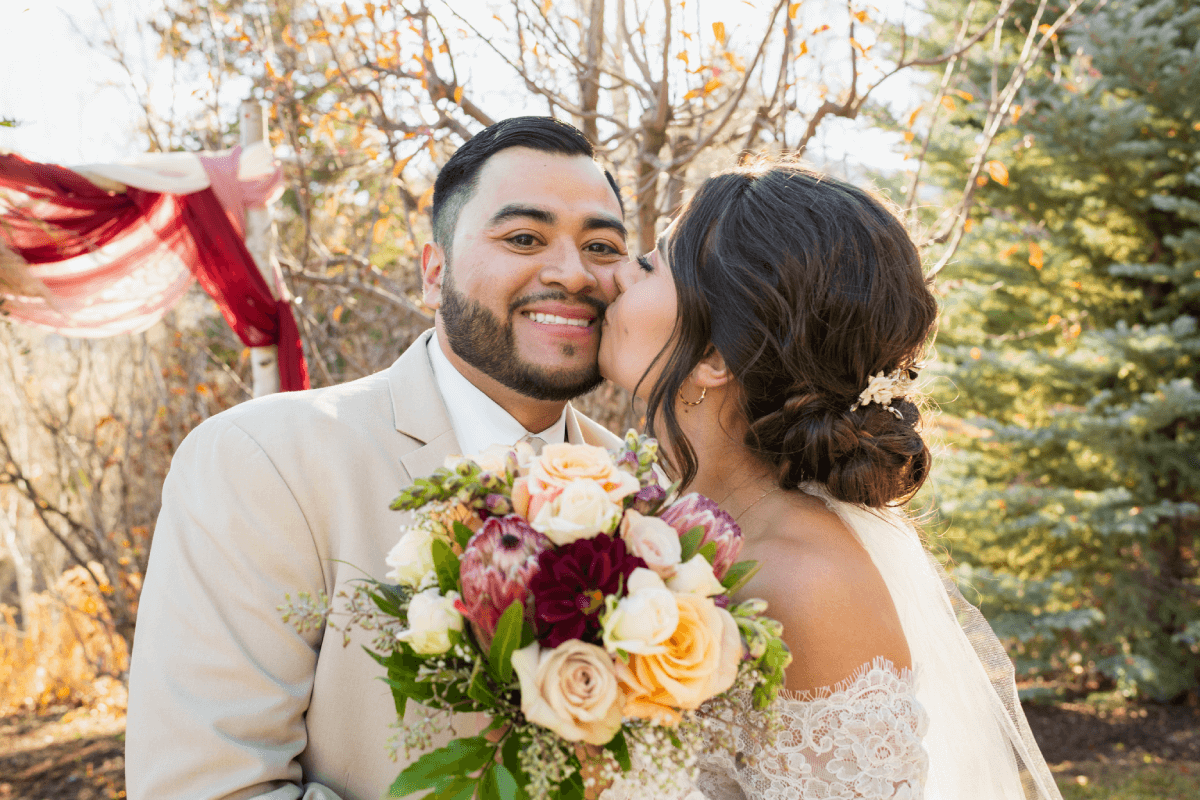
{"type": "Point", "coordinates": [809, 288]}
{"type": "Point", "coordinates": [869, 455]}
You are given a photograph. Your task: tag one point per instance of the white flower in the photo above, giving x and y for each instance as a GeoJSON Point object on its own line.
{"type": "Point", "coordinates": [653, 541]}
{"type": "Point", "coordinates": [431, 617]}
{"type": "Point", "coordinates": [695, 576]}
{"type": "Point", "coordinates": [412, 557]}
{"type": "Point", "coordinates": [581, 511]}
{"type": "Point", "coordinates": [645, 618]}
{"type": "Point", "coordinates": [572, 690]}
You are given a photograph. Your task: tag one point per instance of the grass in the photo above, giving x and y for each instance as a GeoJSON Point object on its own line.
{"type": "Point", "coordinates": [1094, 780]}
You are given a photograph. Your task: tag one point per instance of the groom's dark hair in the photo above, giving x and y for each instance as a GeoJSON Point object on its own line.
{"type": "Point", "coordinates": [459, 178]}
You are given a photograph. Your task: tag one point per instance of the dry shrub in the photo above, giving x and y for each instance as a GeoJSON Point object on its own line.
{"type": "Point", "coordinates": [67, 654]}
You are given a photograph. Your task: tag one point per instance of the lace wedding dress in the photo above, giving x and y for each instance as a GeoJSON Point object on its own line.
{"type": "Point", "coordinates": [949, 729]}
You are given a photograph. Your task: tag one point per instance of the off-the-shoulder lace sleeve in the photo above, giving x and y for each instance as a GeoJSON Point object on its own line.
{"type": "Point", "coordinates": [858, 740]}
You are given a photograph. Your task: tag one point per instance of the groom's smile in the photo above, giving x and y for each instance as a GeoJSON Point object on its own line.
{"type": "Point", "coordinates": [523, 287]}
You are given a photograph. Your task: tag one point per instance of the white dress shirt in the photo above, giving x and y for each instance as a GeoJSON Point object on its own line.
{"type": "Point", "coordinates": [478, 420]}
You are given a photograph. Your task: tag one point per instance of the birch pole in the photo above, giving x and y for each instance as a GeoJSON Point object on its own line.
{"type": "Point", "coordinates": [260, 240]}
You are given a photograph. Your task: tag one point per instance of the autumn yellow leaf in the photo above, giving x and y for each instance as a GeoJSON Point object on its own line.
{"type": "Point", "coordinates": [1054, 320]}
{"type": "Point", "coordinates": [861, 16]}
{"type": "Point", "coordinates": [691, 94]}
{"type": "Point", "coordinates": [948, 103]}
{"type": "Point", "coordinates": [857, 45]}
{"type": "Point", "coordinates": [443, 48]}
{"type": "Point", "coordinates": [400, 165]}
{"type": "Point", "coordinates": [802, 49]}
{"type": "Point", "coordinates": [686, 35]}
{"type": "Point", "coordinates": [998, 171]}
{"type": "Point", "coordinates": [337, 312]}
{"type": "Point", "coordinates": [981, 180]}
{"type": "Point", "coordinates": [976, 353]}
{"type": "Point", "coordinates": [1010, 251]}
{"type": "Point", "coordinates": [719, 31]}
{"type": "Point", "coordinates": [546, 6]}
{"type": "Point", "coordinates": [792, 10]}
{"type": "Point", "coordinates": [1037, 257]}
{"type": "Point", "coordinates": [458, 93]}
{"type": "Point", "coordinates": [712, 85]}
{"type": "Point", "coordinates": [912, 118]}
{"type": "Point", "coordinates": [682, 56]}
{"type": "Point", "coordinates": [424, 200]}
{"type": "Point", "coordinates": [964, 95]}
{"type": "Point", "coordinates": [1016, 114]}
{"type": "Point", "coordinates": [967, 225]}
{"type": "Point", "coordinates": [820, 29]}
{"type": "Point", "coordinates": [909, 136]}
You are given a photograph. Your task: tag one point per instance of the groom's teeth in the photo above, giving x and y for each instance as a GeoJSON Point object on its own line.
{"type": "Point", "coordinates": [554, 319]}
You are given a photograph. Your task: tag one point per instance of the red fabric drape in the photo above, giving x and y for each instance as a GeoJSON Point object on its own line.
{"type": "Point", "coordinates": [67, 217]}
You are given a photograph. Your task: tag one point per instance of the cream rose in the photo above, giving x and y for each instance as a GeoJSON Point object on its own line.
{"type": "Point", "coordinates": [700, 661]}
{"type": "Point", "coordinates": [431, 617]}
{"type": "Point", "coordinates": [653, 541]}
{"type": "Point", "coordinates": [561, 464]}
{"type": "Point", "coordinates": [643, 619]}
{"type": "Point", "coordinates": [411, 559]}
{"type": "Point", "coordinates": [695, 577]}
{"type": "Point", "coordinates": [580, 511]}
{"type": "Point", "coordinates": [572, 690]}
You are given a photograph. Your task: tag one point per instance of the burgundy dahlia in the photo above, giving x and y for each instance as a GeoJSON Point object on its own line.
{"type": "Point", "coordinates": [495, 570]}
{"type": "Point", "coordinates": [570, 586]}
{"type": "Point", "coordinates": [695, 509]}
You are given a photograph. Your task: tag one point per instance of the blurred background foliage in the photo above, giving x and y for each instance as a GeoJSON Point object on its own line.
{"type": "Point", "coordinates": [1044, 151]}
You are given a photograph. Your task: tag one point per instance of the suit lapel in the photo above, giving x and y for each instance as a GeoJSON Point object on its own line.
{"type": "Point", "coordinates": [418, 410]}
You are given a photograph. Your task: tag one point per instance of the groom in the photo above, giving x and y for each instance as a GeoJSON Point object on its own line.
{"type": "Point", "coordinates": [290, 493]}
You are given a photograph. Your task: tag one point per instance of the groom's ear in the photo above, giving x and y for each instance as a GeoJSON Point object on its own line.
{"type": "Point", "coordinates": [433, 266]}
{"type": "Point", "coordinates": [711, 372]}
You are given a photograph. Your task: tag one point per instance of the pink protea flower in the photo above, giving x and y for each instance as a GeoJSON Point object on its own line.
{"type": "Point", "coordinates": [495, 570]}
{"type": "Point", "coordinates": [695, 509]}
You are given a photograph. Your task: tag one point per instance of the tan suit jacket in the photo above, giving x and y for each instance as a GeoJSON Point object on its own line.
{"type": "Point", "coordinates": [279, 495]}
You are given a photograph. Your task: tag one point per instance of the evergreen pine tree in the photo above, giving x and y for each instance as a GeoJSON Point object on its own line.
{"type": "Point", "coordinates": [1069, 347]}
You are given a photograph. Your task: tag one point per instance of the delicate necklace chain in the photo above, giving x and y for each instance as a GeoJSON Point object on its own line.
{"type": "Point", "coordinates": [757, 500]}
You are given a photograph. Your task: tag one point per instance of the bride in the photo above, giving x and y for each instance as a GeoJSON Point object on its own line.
{"type": "Point", "coordinates": [775, 335]}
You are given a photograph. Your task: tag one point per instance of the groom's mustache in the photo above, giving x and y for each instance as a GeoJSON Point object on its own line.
{"type": "Point", "coordinates": [597, 304]}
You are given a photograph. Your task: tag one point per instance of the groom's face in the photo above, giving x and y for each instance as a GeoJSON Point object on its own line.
{"type": "Point", "coordinates": [530, 272]}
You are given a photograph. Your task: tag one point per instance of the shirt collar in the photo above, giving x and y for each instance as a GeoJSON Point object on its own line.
{"type": "Point", "coordinates": [478, 420]}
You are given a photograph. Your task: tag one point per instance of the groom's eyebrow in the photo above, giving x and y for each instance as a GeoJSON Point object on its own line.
{"type": "Point", "coordinates": [518, 211]}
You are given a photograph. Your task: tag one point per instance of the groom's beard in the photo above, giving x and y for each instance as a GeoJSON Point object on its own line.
{"type": "Point", "coordinates": [482, 340]}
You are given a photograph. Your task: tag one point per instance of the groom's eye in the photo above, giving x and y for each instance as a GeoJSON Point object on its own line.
{"type": "Point", "coordinates": [602, 248]}
{"type": "Point", "coordinates": [523, 240]}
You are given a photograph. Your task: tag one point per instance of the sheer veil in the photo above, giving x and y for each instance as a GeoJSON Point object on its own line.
{"type": "Point", "coordinates": [979, 743]}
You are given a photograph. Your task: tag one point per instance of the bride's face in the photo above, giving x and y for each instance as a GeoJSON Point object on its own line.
{"type": "Point", "coordinates": [639, 323]}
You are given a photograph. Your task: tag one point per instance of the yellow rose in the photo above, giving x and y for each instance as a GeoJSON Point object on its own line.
{"type": "Point", "coordinates": [572, 690]}
{"type": "Point", "coordinates": [700, 661]}
{"type": "Point", "coordinates": [559, 464]}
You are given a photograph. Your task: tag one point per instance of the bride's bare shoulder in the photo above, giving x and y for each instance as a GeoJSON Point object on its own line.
{"type": "Point", "coordinates": [821, 584]}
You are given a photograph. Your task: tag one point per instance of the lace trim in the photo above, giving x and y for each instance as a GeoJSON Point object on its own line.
{"type": "Point", "coordinates": [860, 739]}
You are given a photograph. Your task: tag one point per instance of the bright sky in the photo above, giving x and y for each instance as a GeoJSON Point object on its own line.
{"type": "Point", "coordinates": [76, 106]}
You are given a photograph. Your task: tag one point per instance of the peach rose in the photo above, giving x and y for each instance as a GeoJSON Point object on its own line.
{"type": "Point", "coordinates": [559, 464]}
{"type": "Point", "coordinates": [572, 690]}
{"type": "Point", "coordinates": [701, 660]}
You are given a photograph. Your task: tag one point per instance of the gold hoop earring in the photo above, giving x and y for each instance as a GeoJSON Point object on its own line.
{"type": "Point", "coordinates": [686, 402]}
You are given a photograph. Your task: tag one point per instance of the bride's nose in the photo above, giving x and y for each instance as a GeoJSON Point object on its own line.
{"type": "Point", "coordinates": [628, 274]}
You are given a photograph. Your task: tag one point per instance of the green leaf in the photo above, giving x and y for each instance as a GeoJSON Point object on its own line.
{"type": "Point", "coordinates": [572, 787]}
{"type": "Point", "coordinates": [690, 542]}
{"type": "Point", "coordinates": [446, 565]}
{"type": "Point", "coordinates": [462, 534]}
{"type": "Point", "coordinates": [488, 789]}
{"type": "Point", "coordinates": [739, 575]}
{"type": "Point", "coordinates": [620, 750]}
{"type": "Point", "coordinates": [505, 641]}
{"type": "Point", "coordinates": [478, 689]}
{"type": "Point", "coordinates": [441, 768]}
{"type": "Point", "coordinates": [458, 789]}
{"type": "Point", "coordinates": [709, 551]}
{"type": "Point", "coordinates": [507, 787]}
{"type": "Point", "coordinates": [527, 635]}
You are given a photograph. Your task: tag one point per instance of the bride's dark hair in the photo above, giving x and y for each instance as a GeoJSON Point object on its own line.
{"type": "Point", "coordinates": [807, 286]}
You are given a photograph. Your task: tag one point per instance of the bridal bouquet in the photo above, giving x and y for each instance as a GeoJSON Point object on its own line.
{"type": "Point", "coordinates": [576, 602]}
